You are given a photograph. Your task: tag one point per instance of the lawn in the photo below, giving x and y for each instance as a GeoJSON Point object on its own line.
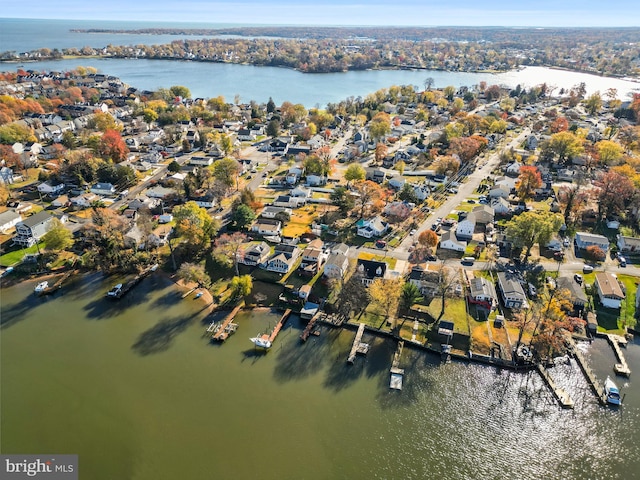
{"type": "Point", "coordinates": [14, 257]}
{"type": "Point", "coordinates": [455, 310]}
{"type": "Point", "coordinates": [300, 221]}
{"type": "Point", "coordinates": [614, 321]}
{"type": "Point", "coordinates": [390, 261]}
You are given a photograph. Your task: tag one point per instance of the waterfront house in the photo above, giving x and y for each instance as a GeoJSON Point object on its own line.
{"type": "Point", "coordinates": [337, 264]}
{"type": "Point", "coordinates": [266, 226]}
{"type": "Point", "coordinates": [628, 244]}
{"type": "Point", "coordinates": [283, 259]}
{"type": "Point", "coordinates": [373, 227]}
{"type": "Point", "coordinates": [482, 292]}
{"type": "Point", "coordinates": [448, 241]}
{"type": "Point", "coordinates": [255, 254]}
{"type": "Point", "coordinates": [103, 189]}
{"type": "Point", "coordinates": [609, 290]}
{"type": "Point", "coordinates": [426, 281]}
{"type": "Point", "coordinates": [584, 240]}
{"type": "Point", "coordinates": [9, 219]}
{"type": "Point", "coordinates": [369, 270]}
{"type": "Point", "coordinates": [577, 296]}
{"type": "Point", "coordinates": [511, 291]}
{"type": "Point", "coordinates": [32, 229]}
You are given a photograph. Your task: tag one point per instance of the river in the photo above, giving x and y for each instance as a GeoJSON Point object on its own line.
{"type": "Point", "coordinates": [135, 390]}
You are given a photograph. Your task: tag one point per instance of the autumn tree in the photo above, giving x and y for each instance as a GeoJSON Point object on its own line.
{"type": "Point", "coordinates": [610, 152]}
{"type": "Point", "coordinates": [533, 227]}
{"type": "Point", "coordinates": [226, 171]}
{"type": "Point", "coordinates": [572, 199]}
{"type": "Point", "coordinates": [194, 273]}
{"type": "Point", "coordinates": [528, 181]}
{"type": "Point", "coordinates": [560, 124]}
{"type": "Point", "coordinates": [614, 193]}
{"type": "Point", "coordinates": [195, 225]}
{"type": "Point", "coordinates": [241, 286]}
{"type": "Point", "coordinates": [112, 146]}
{"type": "Point", "coordinates": [428, 238]}
{"type": "Point", "coordinates": [565, 145]}
{"type": "Point", "coordinates": [180, 91]}
{"type": "Point", "coordinates": [103, 122]}
{"type": "Point", "coordinates": [467, 147]}
{"type": "Point", "coordinates": [380, 126]}
{"type": "Point", "coordinates": [385, 296]}
{"type": "Point", "coordinates": [594, 253]}
{"type": "Point", "coordinates": [446, 164]}
{"type": "Point", "coordinates": [352, 297]}
{"type": "Point", "coordinates": [593, 103]}
{"type": "Point", "coordinates": [380, 153]}
{"type": "Point", "coordinates": [370, 197]}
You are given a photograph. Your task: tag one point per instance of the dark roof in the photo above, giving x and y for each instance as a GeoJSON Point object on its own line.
{"type": "Point", "coordinates": [578, 297]}
{"type": "Point", "coordinates": [371, 268]}
{"type": "Point", "coordinates": [34, 220]}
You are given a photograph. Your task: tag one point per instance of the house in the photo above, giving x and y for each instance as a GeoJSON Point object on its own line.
{"type": "Point", "coordinates": [628, 244]}
{"type": "Point", "coordinates": [47, 188]}
{"type": "Point", "coordinates": [531, 143]}
{"type": "Point", "coordinates": [255, 254]}
{"type": "Point", "coordinates": [373, 227]}
{"type": "Point", "coordinates": [369, 270]}
{"type": "Point", "coordinates": [361, 136]}
{"type": "Point", "coordinates": [499, 192]}
{"type": "Point", "coordinates": [159, 236]}
{"type": "Point", "coordinates": [397, 183]}
{"type": "Point", "coordinates": [566, 175]}
{"type": "Point", "coordinates": [511, 291]}
{"type": "Point", "coordinates": [201, 161]}
{"type": "Point", "coordinates": [500, 206]}
{"type": "Point", "coordinates": [483, 214]}
{"type": "Point", "coordinates": [84, 200]}
{"type": "Point", "coordinates": [246, 135]}
{"type": "Point", "coordinates": [466, 227]}
{"type": "Point", "coordinates": [584, 240]}
{"type": "Point", "coordinates": [577, 296]}
{"type": "Point", "coordinates": [265, 226]}
{"type": "Point", "coordinates": [283, 259]}
{"type": "Point", "coordinates": [61, 202]}
{"type": "Point", "coordinates": [448, 241]}
{"type": "Point", "coordinates": [376, 175]}
{"type": "Point", "coordinates": [513, 169]}
{"type": "Point", "coordinates": [9, 219]}
{"type": "Point", "coordinates": [272, 212]}
{"type": "Point", "coordinates": [300, 192]}
{"type": "Point", "coordinates": [482, 292]}
{"type": "Point", "coordinates": [32, 229]}
{"type": "Point", "coordinates": [316, 180]}
{"type": "Point", "coordinates": [426, 281]}
{"type": "Point", "coordinates": [160, 192]}
{"type": "Point", "coordinates": [103, 189]}
{"type": "Point", "coordinates": [337, 263]}
{"type": "Point", "coordinates": [312, 258]}
{"type": "Point", "coordinates": [6, 176]}
{"type": "Point", "coordinates": [609, 290]}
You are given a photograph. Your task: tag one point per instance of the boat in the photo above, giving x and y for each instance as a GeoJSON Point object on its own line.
{"type": "Point", "coordinates": [613, 394]}
{"type": "Point", "coordinates": [41, 287]}
{"type": "Point", "coordinates": [115, 291]}
{"type": "Point", "coordinates": [198, 295]}
{"type": "Point", "coordinates": [262, 341]}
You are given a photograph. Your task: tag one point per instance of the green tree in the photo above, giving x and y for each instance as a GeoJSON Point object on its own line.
{"type": "Point", "coordinates": [563, 144]}
{"type": "Point", "coordinates": [529, 228]}
{"type": "Point", "coordinates": [342, 199]}
{"type": "Point", "coordinates": [273, 128]}
{"type": "Point", "coordinates": [195, 224]}
{"type": "Point", "coordinates": [593, 103]}
{"type": "Point", "coordinates": [409, 296]}
{"type": "Point", "coordinates": [13, 133]}
{"type": "Point", "coordinates": [180, 91]}
{"type": "Point", "coordinates": [271, 106]}
{"type": "Point", "coordinates": [241, 286]}
{"type": "Point", "coordinates": [226, 171]}
{"type": "Point", "coordinates": [243, 216]}
{"type": "Point", "coordinates": [173, 167]}
{"type": "Point", "coordinates": [58, 237]}
{"type": "Point", "coordinates": [408, 194]}
{"type": "Point", "coordinates": [355, 172]}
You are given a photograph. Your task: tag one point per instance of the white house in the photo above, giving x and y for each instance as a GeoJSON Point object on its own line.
{"type": "Point", "coordinates": [300, 192]}
{"type": "Point", "coordinates": [32, 229]}
{"type": "Point", "coordinates": [272, 212]}
{"type": "Point", "coordinates": [316, 180]}
{"type": "Point", "coordinates": [448, 241]}
{"type": "Point", "coordinates": [255, 254]}
{"type": "Point", "coordinates": [511, 291]}
{"type": "Point", "coordinates": [201, 161]}
{"type": "Point", "coordinates": [103, 189]}
{"type": "Point", "coordinates": [9, 219]}
{"type": "Point", "coordinates": [336, 265]}
{"type": "Point", "coordinates": [513, 168]}
{"type": "Point", "coordinates": [84, 200]}
{"type": "Point", "coordinates": [584, 240]}
{"type": "Point", "coordinates": [265, 226]}
{"type": "Point", "coordinates": [500, 206]}
{"type": "Point", "coordinates": [283, 259]}
{"type": "Point", "coordinates": [628, 244]}
{"type": "Point", "coordinates": [609, 291]}
{"type": "Point", "coordinates": [499, 192]}
{"type": "Point", "coordinates": [373, 227]}
{"type": "Point", "coordinates": [6, 176]}
{"type": "Point", "coordinates": [466, 227]}
{"type": "Point", "coordinates": [47, 188]}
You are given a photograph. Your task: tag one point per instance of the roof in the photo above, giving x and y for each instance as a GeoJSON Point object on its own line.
{"type": "Point", "coordinates": [481, 286]}
{"type": "Point", "coordinates": [592, 238]}
{"type": "Point", "coordinates": [510, 285]}
{"type": "Point", "coordinates": [372, 268]}
{"type": "Point", "coordinates": [609, 285]}
{"type": "Point", "coordinates": [8, 216]}
{"type": "Point", "coordinates": [578, 296]}
{"type": "Point", "coordinates": [36, 219]}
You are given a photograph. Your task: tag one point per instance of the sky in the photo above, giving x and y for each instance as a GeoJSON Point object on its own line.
{"type": "Point", "coordinates": [541, 13]}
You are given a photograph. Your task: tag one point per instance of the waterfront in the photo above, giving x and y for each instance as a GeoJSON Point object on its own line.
{"type": "Point", "coordinates": [139, 393]}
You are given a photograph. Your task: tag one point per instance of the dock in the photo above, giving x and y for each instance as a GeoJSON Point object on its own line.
{"type": "Point", "coordinates": [279, 325]}
{"type": "Point", "coordinates": [562, 397]}
{"type": "Point", "coordinates": [222, 330]}
{"type": "Point", "coordinates": [396, 372]}
{"type": "Point", "coordinates": [309, 328]}
{"type": "Point", "coordinates": [596, 386]}
{"type": "Point", "coordinates": [127, 287]}
{"type": "Point", "coordinates": [358, 346]}
{"type": "Point", "coordinates": [621, 368]}
{"type": "Point", "coordinates": [58, 284]}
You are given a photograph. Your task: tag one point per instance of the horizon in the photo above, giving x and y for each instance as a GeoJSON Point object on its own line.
{"type": "Point", "coordinates": [375, 13]}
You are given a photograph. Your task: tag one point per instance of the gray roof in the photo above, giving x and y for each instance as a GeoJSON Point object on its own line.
{"type": "Point", "coordinates": [510, 285]}
{"type": "Point", "coordinates": [33, 220]}
{"type": "Point", "coordinates": [8, 216]}
{"type": "Point", "coordinates": [481, 286]}
{"type": "Point", "coordinates": [578, 296]}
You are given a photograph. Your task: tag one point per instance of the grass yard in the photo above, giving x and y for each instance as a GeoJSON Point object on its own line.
{"type": "Point", "coordinates": [300, 221]}
{"type": "Point", "coordinates": [611, 320]}
{"type": "Point", "coordinates": [391, 262]}
{"type": "Point", "coordinates": [454, 310]}
{"type": "Point", "coordinates": [15, 256]}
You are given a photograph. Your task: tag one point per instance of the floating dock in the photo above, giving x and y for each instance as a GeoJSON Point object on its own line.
{"type": "Point", "coordinates": [58, 284]}
{"type": "Point", "coordinates": [397, 373]}
{"type": "Point", "coordinates": [563, 398]}
{"type": "Point", "coordinates": [135, 281]}
{"type": "Point", "coordinates": [621, 368]}
{"type": "Point", "coordinates": [222, 330]}
{"type": "Point", "coordinates": [358, 346]}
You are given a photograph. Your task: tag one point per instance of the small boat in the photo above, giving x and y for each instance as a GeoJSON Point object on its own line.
{"type": "Point", "coordinates": [613, 394]}
{"type": "Point", "coordinates": [198, 295]}
{"type": "Point", "coordinates": [41, 287]}
{"type": "Point", "coordinates": [115, 291]}
{"type": "Point", "coordinates": [262, 341]}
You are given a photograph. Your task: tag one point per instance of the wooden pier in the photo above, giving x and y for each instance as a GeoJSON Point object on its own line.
{"type": "Point", "coordinates": [562, 397]}
{"type": "Point", "coordinates": [222, 330]}
{"type": "Point", "coordinates": [396, 372]}
{"type": "Point", "coordinates": [621, 368]}
{"type": "Point", "coordinates": [132, 283]}
{"type": "Point", "coordinates": [358, 346]}
{"type": "Point", "coordinates": [279, 325]}
{"type": "Point", "coordinates": [58, 284]}
{"type": "Point", "coordinates": [596, 386]}
{"type": "Point", "coordinates": [309, 328]}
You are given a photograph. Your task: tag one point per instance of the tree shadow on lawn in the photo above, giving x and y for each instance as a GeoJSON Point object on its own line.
{"type": "Point", "coordinates": [159, 337]}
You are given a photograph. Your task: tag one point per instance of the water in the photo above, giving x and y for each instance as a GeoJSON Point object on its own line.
{"type": "Point", "coordinates": [256, 83]}
{"type": "Point", "coordinates": [138, 393]}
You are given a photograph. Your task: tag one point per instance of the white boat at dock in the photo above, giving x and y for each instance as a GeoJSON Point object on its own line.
{"type": "Point", "coordinates": [41, 287]}
{"type": "Point", "coordinates": [115, 291]}
{"type": "Point", "coordinates": [262, 341]}
{"type": "Point", "coordinates": [613, 394]}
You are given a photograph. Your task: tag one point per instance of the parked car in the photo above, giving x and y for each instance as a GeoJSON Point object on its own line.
{"type": "Point", "coordinates": [413, 232]}
{"type": "Point", "coordinates": [623, 261]}
{"type": "Point", "coordinates": [578, 278]}
{"type": "Point", "coordinates": [381, 243]}
{"type": "Point", "coordinates": [587, 269]}
{"type": "Point", "coordinates": [532, 290]}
